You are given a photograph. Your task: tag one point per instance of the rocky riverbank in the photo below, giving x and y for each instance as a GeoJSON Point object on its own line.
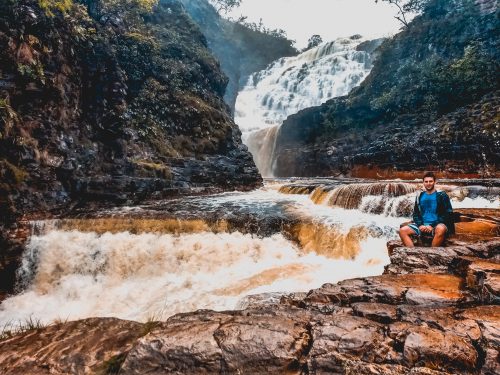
{"type": "Point", "coordinates": [433, 311]}
{"type": "Point", "coordinates": [105, 105]}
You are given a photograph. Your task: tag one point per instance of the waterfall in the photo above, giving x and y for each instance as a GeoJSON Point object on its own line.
{"type": "Point", "coordinates": [294, 83]}
{"type": "Point", "coordinates": [351, 196]}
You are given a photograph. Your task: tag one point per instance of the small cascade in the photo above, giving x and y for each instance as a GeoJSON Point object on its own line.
{"type": "Point", "coordinates": [74, 274]}
{"type": "Point", "coordinates": [141, 225]}
{"type": "Point", "coordinates": [261, 144]}
{"type": "Point", "coordinates": [294, 83]}
{"type": "Point", "coordinates": [329, 240]}
{"type": "Point", "coordinates": [320, 194]}
{"type": "Point", "coordinates": [401, 206]}
{"type": "Point", "coordinates": [296, 189]}
{"type": "Point", "coordinates": [39, 227]}
{"type": "Point", "coordinates": [351, 196]}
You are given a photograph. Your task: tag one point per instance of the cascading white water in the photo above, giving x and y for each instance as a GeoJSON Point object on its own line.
{"type": "Point", "coordinates": [75, 274]}
{"type": "Point", "coordinates": [294, 83]}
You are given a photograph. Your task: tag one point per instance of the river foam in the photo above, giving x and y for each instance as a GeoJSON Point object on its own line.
{"type": "Point", "coordinates": [72, 275]}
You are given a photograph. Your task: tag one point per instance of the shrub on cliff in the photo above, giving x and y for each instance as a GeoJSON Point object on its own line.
{"type": "Point", "coordinates": [446, 58]}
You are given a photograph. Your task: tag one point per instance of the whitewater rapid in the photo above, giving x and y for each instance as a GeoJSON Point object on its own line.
{"type": "Point", "coordinates": [72, 272]}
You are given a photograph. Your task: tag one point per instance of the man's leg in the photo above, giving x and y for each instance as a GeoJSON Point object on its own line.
{"type": "Point", "coordinates": [405, 233]}
{"type": "Point", "coordinates": [439, 235]}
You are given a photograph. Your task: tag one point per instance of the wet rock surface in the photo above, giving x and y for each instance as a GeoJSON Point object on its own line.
{"type": "Point", "coordinates": [426, 315]}
{"type": "Point", "coordinates": [88, 346]}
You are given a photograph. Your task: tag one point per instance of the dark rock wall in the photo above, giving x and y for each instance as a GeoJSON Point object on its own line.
{"type": "Point", "coordinates": [109, 106]}
{"type": "Point", "coordinates": [240, 50]}
{"type": "Point", "coordinates": [430, 102]}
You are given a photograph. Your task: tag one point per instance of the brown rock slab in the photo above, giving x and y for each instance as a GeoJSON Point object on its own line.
{"type": "Point", "coordinates": [445, 319]}
{"type": "Point", "coordinates": [80, 347]}
{"type": "Point", "coordinates": [485, 249]}
{"type": "Point", "coordinates": [391, 289]}
{"type": "Point", "coordinates": [483, 277]}
{"type": "Point", "coordinates": [206, 342]}
{"type": "Point", "coordinates": [488, 319]}
{"type": "Point", "coordinates": [379, 312]}
{"type": "Point", "coordinates": [432, 348]}
{"type": "Point", "coordinates": [436, 260]}
{"type": "Point", "coordinates": [479, 228]}
{"type": "Point", "coordinates": [354, 337]}
{"type": "Point", "coordinates": [491, 362]}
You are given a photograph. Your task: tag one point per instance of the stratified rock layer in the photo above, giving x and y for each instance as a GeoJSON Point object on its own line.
{"type": "Point", "coordinates": [432, 312]}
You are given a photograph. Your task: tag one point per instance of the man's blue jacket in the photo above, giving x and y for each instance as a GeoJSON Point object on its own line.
{"type": "Point", "coordinates": [444, 211]}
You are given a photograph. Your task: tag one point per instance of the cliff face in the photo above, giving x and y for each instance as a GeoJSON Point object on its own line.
{"type": "Point", "coordinates": [106, 103]}
{"type": "Point", "coordinates": [430, 102]}
{"type": "Point", "coordinates": [240, 50]}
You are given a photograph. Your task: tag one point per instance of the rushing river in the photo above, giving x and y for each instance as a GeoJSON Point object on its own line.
{"type": "Point", "coordinates": [158, 259]}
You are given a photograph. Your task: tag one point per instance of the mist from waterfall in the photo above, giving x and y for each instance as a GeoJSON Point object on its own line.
{"type": "Point", "coordinates": [293, 83]}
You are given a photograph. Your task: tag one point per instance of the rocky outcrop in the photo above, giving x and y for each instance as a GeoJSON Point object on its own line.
{"type": "Point", "coordinates": [434, 311]}
{"type": "Point", "coordinates": [102, 104]}
{"type": "Point", "coordinates": [431, 102]}
{"type": "Point", "coordinates": [400, 149]}
{"type": "Point", "coordinates": [240, 49]}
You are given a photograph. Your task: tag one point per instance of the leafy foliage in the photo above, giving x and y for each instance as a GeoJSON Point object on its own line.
{"type": "Point", "coordinates": [314, 41]}
{"type": "Point", "coordinates": [445, 59]}
{"type": "Point", "coordinates": [51, 6]}
{"type": "Point", "coordinates": [405, 7]}
{"type": "Point", "coordinates": [225, 6]}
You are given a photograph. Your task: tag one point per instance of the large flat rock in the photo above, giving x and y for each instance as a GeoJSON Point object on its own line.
{"type": "Point", "coordinates": [81, 347]}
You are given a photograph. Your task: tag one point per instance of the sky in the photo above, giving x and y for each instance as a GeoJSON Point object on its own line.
{"type": "Point", "coordinates": [329, 18]}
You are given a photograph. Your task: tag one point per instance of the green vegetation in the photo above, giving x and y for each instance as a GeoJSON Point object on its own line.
{"type": "Point", "coordinates": [131, 74]}
{"type": "Point", "coordinates": [160, 170]}
{"type": "Point", "coordinates": [51, 6]}
{"type": "Point", "coordinates": [12, 329]}
{"type": "Point", "coordinates": [436, 86]}
{"type": "Point", "coordinates": [314, 41]}
{"type": "Point", "coordinates": [445, 59]}
{"type": "Point", "coordinates": [9, 172]}
{"type": "Point", "coordinates": [225, 6]}
{"type": "Point", "coordinates": [7, 116]}
{"type": "Point", "coordinates": [405, 7]}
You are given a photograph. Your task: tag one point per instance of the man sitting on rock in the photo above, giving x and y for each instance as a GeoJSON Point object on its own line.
{"type": "Point", "coordinates": [432, 215]}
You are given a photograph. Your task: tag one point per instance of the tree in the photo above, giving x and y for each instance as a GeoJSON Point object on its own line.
{"type": "Point", "coordinates": [225, 6]}
{"type": "Point", "coordinates": [405, 7]}
{"type": "Point", "coordinates": [314, 41]}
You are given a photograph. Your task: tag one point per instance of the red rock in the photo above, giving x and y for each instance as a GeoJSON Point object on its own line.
{"type": "Point", "coordinates": [379, 312]}
{"type": "Point", "coordinates": [435, 349]}
{"type": "Point", "coordinates": [207, 342]}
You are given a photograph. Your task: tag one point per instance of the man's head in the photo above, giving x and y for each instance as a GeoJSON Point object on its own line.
{"type": "Point", "coordinates": [429, 181]}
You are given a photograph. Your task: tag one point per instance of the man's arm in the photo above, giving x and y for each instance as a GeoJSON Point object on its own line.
{"type": "Point", "coordinates": [446, 214]}
{"type": "Point", "coordinates": [417, 216]}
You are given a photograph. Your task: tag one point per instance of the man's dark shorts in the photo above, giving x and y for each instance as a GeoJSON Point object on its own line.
{"type": "Point", "coordinates": [417, 231]}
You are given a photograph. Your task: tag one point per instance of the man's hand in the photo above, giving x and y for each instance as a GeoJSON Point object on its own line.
{"type": "Point", "coordinates": [425, 228]}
